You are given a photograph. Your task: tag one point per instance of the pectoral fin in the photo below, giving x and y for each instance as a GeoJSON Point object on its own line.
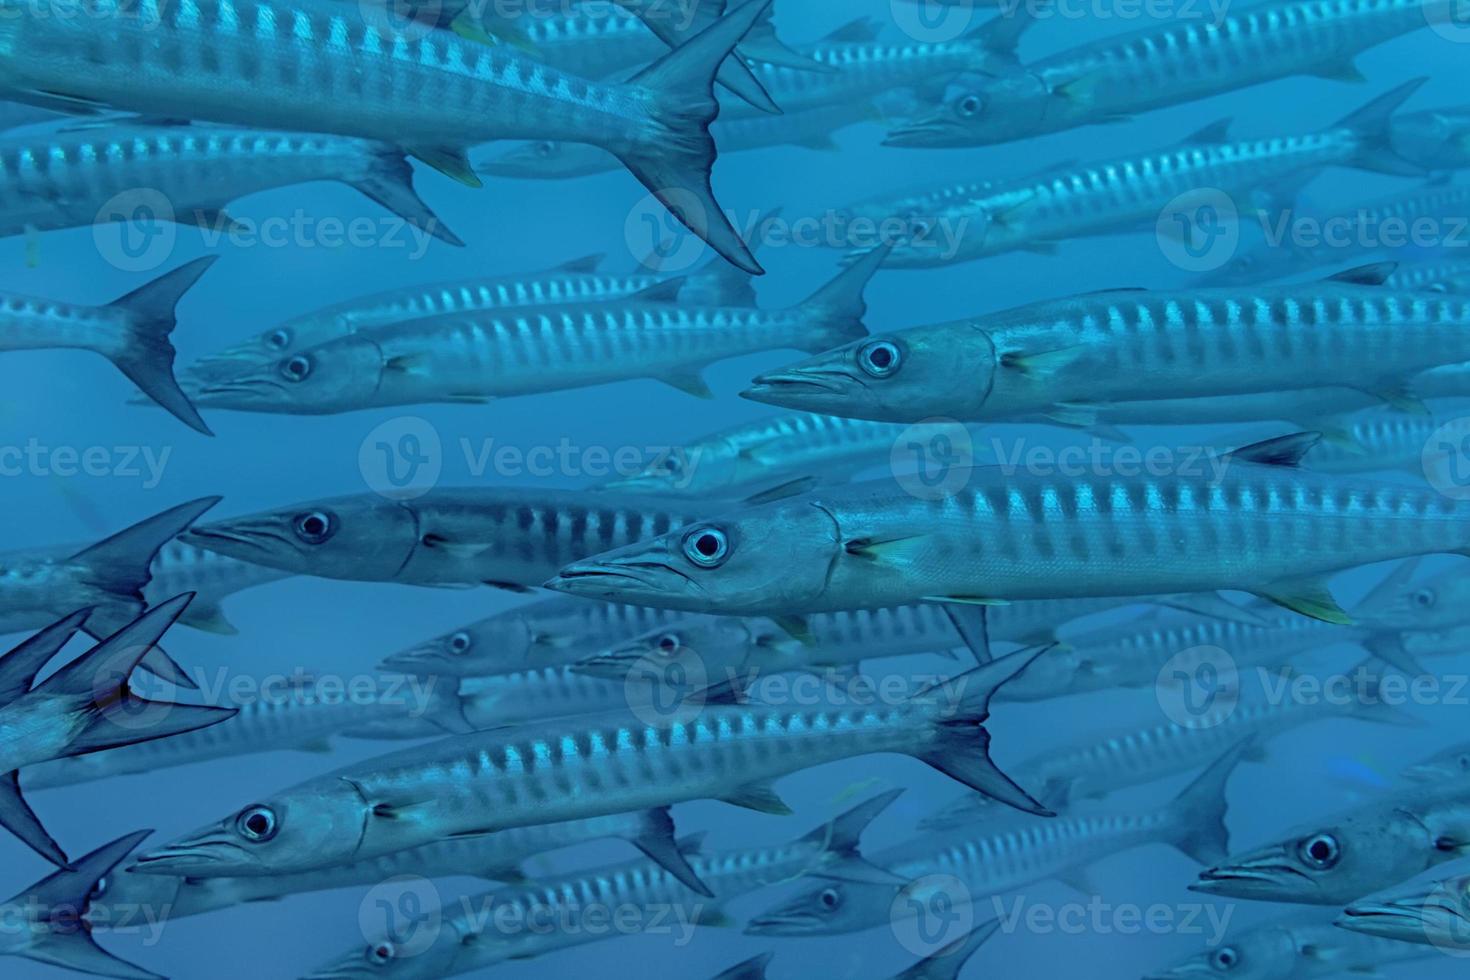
{"type": "Point", "coordinates": [760, 797]}
{"type": "Point", "coordinates": [1308, 596]}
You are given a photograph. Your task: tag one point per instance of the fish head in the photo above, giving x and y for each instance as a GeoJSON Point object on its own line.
{"type": "Point", "coordinates": [828, 907]}
{"type": "Point", "coordinates": [1267, 953]}
{"type": "Point", "coordinates": [939, 371]}
{"type": "Point", "coordinates": [499, 644]}
{"type": "Point", "coordinates": [268, 347]}
{"type": "Point", "coordinates": [302, 830]}
{"type": "Point", "coordinates": [773, 558]}
{"type": "Point", "coordinates": [408, 959]}
{"type": "Point", "coordinates": [364, 538]}
{"type": "Point", "coordinates": [1331, 863]}
{"type": "Point", "coordinates": [547, 160]}
{"type": "Point", "coordinates": [1435, 603]}
{"type": "Point", "coordinates": [339, 376]}
{"type": "Point", "coordinates": [707, 468]}
{"type": "Point", "coordinates": [1436, 914]}
{"type": "Point", "coordinates": [1451, 764]}
{"type": "Point", "coordinates": [1434, 140]}
{"type": "Point", "coordinates": [978, 110]}
{"type": "Point", "coordinates": [695, 644]}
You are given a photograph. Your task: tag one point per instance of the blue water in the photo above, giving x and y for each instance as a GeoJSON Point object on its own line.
{"type": "Point", "coordinates": [261, 461]}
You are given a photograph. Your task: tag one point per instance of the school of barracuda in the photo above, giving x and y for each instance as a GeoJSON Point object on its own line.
{"type": "Point", "coordinates": [865, 558]}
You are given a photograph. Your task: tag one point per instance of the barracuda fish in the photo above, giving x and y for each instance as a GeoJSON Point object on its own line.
{"type": "Point", "coordinates": [478, 935]}
{"type": "Point", "coordinates": [573, 282]}
{"type": "Point", "coordinates": [1108, 762]}
{"type": "Point", "coordinates": [109, 578]}
{"type": "Point", "coordinates": [132, 332]}
{"type": "Point", "coordinates": [86, 706]}
{"type": "Point", "coordinates": [1116, 78]}
{"type": "Point", "coordinates": [299, 717]}
{"type": "Point", "coordinates": [1438, 139]}
{"type": "Point", "coordinates": [1452, 763]}
{"type": "Point", "coordinates": [531, 695]}
{"type": "Point", "coordinates": [1339, 859]}
{"type": "Point", "coordinates": [64, 179]}
{"type": "Point", "coordinates": [470, 359]}
{"type": "Point", "coordinates": [180, 568]}
{"type": "Point", "coordinates": [566, 769]}
{"type": "Point", "coordinates": [14, 115]}
{"type": "Point", "coordinates": [43, 920]}
{"type": "Point", "coordinates": [1272, 529]}
{"type": "Point", "coordinates": [990, 860]}
{"type": "Point", "coordinates": [1121, 194]}
{"type": "Point", "coordinates": [1302, 948]}
{"type": "Point", "coordinates": [493, 857]}
{"type": "Point", "coordinates": [503, 537]}
{"type": "Point", "coordinates": [1435, 915]}
{"type": "Point", "coordinates": [1059, 360]}
{"type": "Point", "coordinates": [1357, 233]}
{"type": "Point", "coordinates": [1450, 276]}
{"type": "Point", "coordinates": [433, 96]}
{"type": "Point", "coordinates": [1380, 442]}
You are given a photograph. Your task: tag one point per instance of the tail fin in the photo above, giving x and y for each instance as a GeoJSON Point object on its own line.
{"type": "Point", "coordinates": [113, 714]}
{"type": "Point", "coordinates": [762, 44]}
{"type": "Point", "coordinates": [961, 746]}
{"type": "Point", "coordinates": [148, 357]}
{"type": "Point", "coordinates": [1372, 125]}
{"type": "Point", "coordinates": [389, 182]}
{"type": "Point", "coordinates": [673, 159]}
{"type": "Point", "coordinates": [60, 902]}
{"type": "Point", "coordinates": [734, 74]}
{"type": "Point", "coordinates": [121, 566]}
{"type": "Point", "coordinates": [655, 839]}
{"type": "Point", "coordinates": [17, 817]}
{"type": "Point", "coordinates": [840, 839]}
{"type": "Point", "coordinates": [1197, 815]}
{"type": "Point", "coordinates": [751, 969]}
{"type": "Point", "coordinates": [719, 283]}
{"type": "Point", "coordinates": [837, 309]}
{"type": "Point", "coordinates": [947, 963]}
{"type": "Point", "coordinates": [19, 667]}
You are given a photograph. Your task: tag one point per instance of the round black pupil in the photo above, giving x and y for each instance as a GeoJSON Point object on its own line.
{"type": "Point", "coordinates": [668, 644]}
{"type": "Point", "coordinates": [298, 367]}
{"type": "Point", "coordinates": [258, 824]}
{"type": "Point", "coordinates": [881, 357]}
{"type": "Point", "coordinates": [314, 525]}
{"type": "Point", "coordinates": [708, 545]}
{"type": "Point", "coordinates": [1321, 850]}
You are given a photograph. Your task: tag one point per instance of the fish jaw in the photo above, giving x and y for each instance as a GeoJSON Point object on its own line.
{"type": "Point", "coordinates": [633, 579]}
{"type": "Point", "coordinates": [213, 853]}
{"type": "Point", "coordinates": [1268, 875]}
{"type": "Point", "coordinates": [1436, 916]}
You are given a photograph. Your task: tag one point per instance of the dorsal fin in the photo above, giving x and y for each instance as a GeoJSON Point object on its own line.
{"type": "Point", "coordinates": [587, 264]}
{"type": "Point", "coordinates": [1282, 451]}
{"type": "Point", "coordinates": [859, 31]}
{"type": "Point", "coordinates": [1216, 132]}
{"type": "Point", "coordinates": [1367, 275]}
{"type": "Point", "coordinates": [661, 292]}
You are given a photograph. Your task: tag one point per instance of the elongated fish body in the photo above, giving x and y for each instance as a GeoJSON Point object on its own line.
{"type": "Point", "coordinates": [32, 323]}
{"type": "Point", "coordinates": [1449, 276]}
{"type": "Point", "coordinates": [489, 856]}
{"type": "Point", "coordinates": [1338, 859]}
{"type": "Point", "coordinates": [512, 537]}
{"type": "Point", "coordinates": [1438, 139]}
{"type": "Point", "coordinates": [1257, 524]}
{"type": "Point", "coordinates": [531, 695]}
{"type": "Point", "coordinates": [13, 115]}
{"type": "Point", "coordinates": [1381, 442]}
{"type": "Point", "coordinates": [591, 44]}
{"type": "Point", "coordinates": [1059, 359]}
{"type": "Point", "coordinates": [765, 453]}
{"type": "Point", "coordinates": [1166, 65]}
{"type": "Point", "coordinates": [1301, 948]}
{"type": "Point", "coordinates": [64, 179]}
{"type": "Point", "coordinates": [566, 769]}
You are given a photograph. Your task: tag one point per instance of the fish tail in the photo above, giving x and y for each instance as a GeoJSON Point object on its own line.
{"type": "Point", "coordinates": [389, 182]}
{"type": "Point", "coordinates": [147, 358]}
{"type": "Point", "coordinates": [114, 715]}
{"type": "Point", "coordinates": [1197, 815]}
{"type": "Point", "coordinates": [946, 963]}
{"type": "Point", "coordinates": [1373, 127]}
{"type": "Point", "coordinates": [121, 566]}
{"type": "Point", "coordinates": [841, 840]}
{"type": "Point", "coordinates": [63, 898]}
{"type": "Point", "coordinates": [961, 749]}
{"type": "Point", "coordinates": [762, 44]}
{"type": "Point", "coordinates": [836, 311]}
{"type": "Point", "coordinates": [674, 160]}
{"type": "Point", "coordinates": [655, 838]}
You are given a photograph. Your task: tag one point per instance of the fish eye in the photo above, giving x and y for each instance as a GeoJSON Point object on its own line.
{"type": "Point", "coordinates": [707, 547]}
{"type": "Point", "coordinates": [1322, 852]}
{"type": "Point", "coordinates": [381, 954]}
{"type": "Point", "coordinates": [880, 358]}
{"type": "Point", "coordinates": [1225, 959]}
{"type": "Point", "coordinates": [99, 888]}
{"type": "Point", "coordinates": [1465, 763]}
{"type": "Point", "coordinates": [257, 824]}
{"type": "Point", "coordinates": [315, 527]}
{"type": "Point", "coordinates": [297, 368]}
{"type": "Point", "coordinates": [1425, 598]}
{"type": "Point", "coordinates": [461, 642]}
{"type": "Point", "coordinates": [672, 465]}
{"type": "Point", "coordinates": [668, 644]}
{"type": "Point", "coordinates": [830, 898]}
{"type": "Point", "coordinates": [970, 106]}
{"type": "Point", "coordinates": [545, 150]}
{"type": "Point", "coordinates": [278, 339]}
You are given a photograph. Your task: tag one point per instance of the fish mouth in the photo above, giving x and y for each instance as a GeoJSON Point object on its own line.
{"type": "Point", "coordinates": [1258, 878]}
{"type": "Point", "coordinates": [420, 660]}
{"type": "Point", "coordinates": [241, 393]}
{"type": "Point", "coordinates": [1432, 916]}
{"type": "Point", "coordinates": [795, 923]}
{"type": "Point", "coordinates": [799, 387]}
{"type": "Point", "coordinates": [614, 666]}
{"type": "Point", "coordinates": [209, 857]}
{"type": "Point", "coordinates": [922, 134]}
{"type": "Point", "coordinates": [246, 540]}
{"type": "Point", "coordinates": [631, 578]}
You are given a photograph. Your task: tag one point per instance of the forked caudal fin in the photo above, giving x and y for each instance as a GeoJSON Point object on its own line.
{"type": "Point", "coordinates": [1373, 127]}
{"type": "Point", "coordinates": [54, 909]}
{"type": "Point", "coordinates": [655, 838]}
{"type": "Point", "coordinates": [147, 357]}
{"type": "Point", "coordinates": [836, 310]}
{"type": "Point", "coordinates": [840, 840]}
{"type": "Point", "coordinates": [946, 963]}
{"type": "Point", "coordinates": [673, 158]}
{"type": "Point", "coordinates": [1197, 815]}
{"type": "Point", "coordinates": [389, 182]}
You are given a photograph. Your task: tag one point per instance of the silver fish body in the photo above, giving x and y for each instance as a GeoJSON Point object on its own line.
{"type": "Point", "coordinates": [1438, 139]}
{"type": "Point", "coordinates": [1300, 948]}
{"type": "Point", "coordinates": [1437, 915]}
